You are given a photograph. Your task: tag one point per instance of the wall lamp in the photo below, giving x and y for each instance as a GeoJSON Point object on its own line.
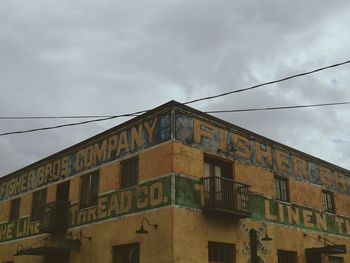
{"type": "Point", "coordinates": [254, 243]}
{"type": "Point", "coordinates": [142, 230]}
{"type": "Point", "coordinates": [266, 237]}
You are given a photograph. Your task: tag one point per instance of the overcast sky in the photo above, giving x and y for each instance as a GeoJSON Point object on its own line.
{"type": "Point", "coordinates": [110, 57]}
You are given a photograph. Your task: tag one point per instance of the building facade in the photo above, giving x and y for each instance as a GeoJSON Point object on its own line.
{"type": "Point", "coordinates": [176, 185]}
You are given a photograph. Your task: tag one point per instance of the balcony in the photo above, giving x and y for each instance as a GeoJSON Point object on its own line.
{"type": "Point", "coordinates": [226, 196]}
{"type": "Point", "coordinates": [54, 217]}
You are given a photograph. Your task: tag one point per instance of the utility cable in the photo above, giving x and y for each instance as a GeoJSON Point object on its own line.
{"type": "Point", "coordinates": [55, 117]}
{"type": "Point", "coordinates": [214, 111]}
{"type": "Point", "coordinates": [189, 102]}
{"type": "Point", "coordinates": [281, 108]}
{"type": "Point", "coordinates": [268, 83]}
{"type": "Point", "coordinates": [71, 124]}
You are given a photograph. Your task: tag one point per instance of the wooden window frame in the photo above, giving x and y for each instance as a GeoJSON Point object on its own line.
{"type": "Point", "coordinates": [228, 256]}
{"type": "Point", "coordinates": [328, 201]}
{"type": "Point", "coordinates": [281, 185]}
{"type": "Point", "coordinates": [287, 253]}
{"type": "Point", "coordinates": [15, 209]}
{"type": "Point", "coordinates": [89, 189]}
{"type": "Point", "coordinates": [38, 202]}
{"type": "Point", "coordinates": [126, 248]}
{"type": "Point", "coordinates": [335, 259]}
{"type": "Point", "coordinates": [129, 172]}
{"type": "Point", "coordinates": [225, 165]}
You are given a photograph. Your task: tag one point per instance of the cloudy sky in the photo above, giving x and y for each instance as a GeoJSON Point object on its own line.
{"type": "Point", "coordinates": [110, 57]}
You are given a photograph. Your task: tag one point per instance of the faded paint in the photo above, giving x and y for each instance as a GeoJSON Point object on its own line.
{"type": "Point", "coordinates": [146, 196]}
{"type": "Point", "coordinates": [208, 137]}
{"type": "Point", "coordinates": [188, 194]}
{"type": "Point", "coordinates": [174, 199]}
{"type": "Point", "coordinates": [116, 145]}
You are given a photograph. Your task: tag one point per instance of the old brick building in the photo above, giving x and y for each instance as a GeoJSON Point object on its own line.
{"type": "Point", "coordinates": [176, 185]}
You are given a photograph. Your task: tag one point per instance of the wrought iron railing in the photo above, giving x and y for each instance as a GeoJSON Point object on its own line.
{"type": "Point", "coordinates": [54, 217]}
{"type": "Point", "coordinates": [224, 194]}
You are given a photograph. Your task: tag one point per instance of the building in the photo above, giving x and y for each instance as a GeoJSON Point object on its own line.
{"type": "Point", "coordinates": [176, 185]}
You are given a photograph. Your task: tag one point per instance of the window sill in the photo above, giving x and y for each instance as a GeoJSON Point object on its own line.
{"type": "Point", "coordinates": [283, 202]}
{"type": "Point", "coordinates": [329, 213]}
{"type": "Point", "coordinates": [88, 207]}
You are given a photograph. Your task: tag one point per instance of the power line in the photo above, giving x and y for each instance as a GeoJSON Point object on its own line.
{"type": "Point", "coordinates": [269, 83]}
{"type": "Point", "coordinates": [106, 117]}
{"type": "Point", "coordinates": [72, 124]}
{"type": "Point", "coordinates": [55, 117]}
{"type": "Point", "coordinates": [215, 111]}
{"type": "Point", "coordinates": [188, 102]}
{"type": "Point", "coordinates": [282, 107]}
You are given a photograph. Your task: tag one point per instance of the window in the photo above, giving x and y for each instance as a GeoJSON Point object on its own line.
{"type": "Point", "coordinates": [221, 252]}
{"type": "Point", "coordinates": [214, 170]}
{"type": "Point", "coordinates": [60, 257]}
{"type": "Point", "coordinates": [14, 209]}
{"type": "Point", "coordinates": [129, 253]}
{"type": "Point", "coordinates": [216, 167]}
{"type": "Point", "coordinates": [129, 172]}
{"type": "Point", "coordinates": [332, 259]}
{"type": "Point", "coordinates": [285, 256]}
{"type": "Point", "coordinates": [38, 202]}
{"type": "Point", "coordinates": [89, 189]}
{"type": "Point", "coordinates": [281, 188]}
{"type": "Point", "coordinates": [328, 201]}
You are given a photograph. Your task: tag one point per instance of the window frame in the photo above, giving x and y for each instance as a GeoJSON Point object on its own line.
{"type": "Point", "coordinates": [287, 253]}
{"type": "Point", "coordinates": [335, 259]}
{"type": "Point", "coordinates": [38, 201]}
{"type": "Point", "coordinates": [126, 247]}
{"type": "Point", "coordinates": [328, 201]}
{"type": "Point", "coordinates": [15, 207]}
{"type": "Point", "coordinates": [218, 174]}
{"type": "Point", "coordinates": [88, 190]}
{"type": "Point", "coordinates": [229, 254]}
{"type": "Point", "coordinates": [280, 193]}
{"type": "Point", "coordinates": [129, 174]}
{"type": "Point", "coordinates": [226, 166]}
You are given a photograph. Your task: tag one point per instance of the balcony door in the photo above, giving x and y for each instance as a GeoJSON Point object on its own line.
{"type": "Point", "coordinates": [62, 194]}
{"type": "Point", "coordinates": [62, 205]}
{"type": "Point", "coordinates": [218, 183]}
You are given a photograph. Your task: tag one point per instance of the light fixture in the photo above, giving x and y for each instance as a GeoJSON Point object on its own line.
{"type": "Point", "coordinates": [266, 237]}
{"type": "Point", "coordinates": [142, 230]}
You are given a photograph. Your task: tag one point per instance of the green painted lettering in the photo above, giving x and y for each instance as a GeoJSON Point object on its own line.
{"type": "Point", "coordinates": [113, 208]}
{"type": "Point", "coordinates": [142, 197]}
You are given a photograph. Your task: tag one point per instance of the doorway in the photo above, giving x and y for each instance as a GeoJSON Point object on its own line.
{"type": "Point", "coordinates": [62, 193]}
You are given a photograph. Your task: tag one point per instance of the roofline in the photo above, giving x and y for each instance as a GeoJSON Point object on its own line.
{"type": "Point", "coordinates": [256, 136]}
{"type": "Point", "coordinates": [184, 108]}
{"type": "Point", "coordinates": [120, 126]}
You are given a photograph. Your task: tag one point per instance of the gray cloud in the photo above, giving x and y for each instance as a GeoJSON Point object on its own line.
{"type": "Point", "coordinates": [110, 57]}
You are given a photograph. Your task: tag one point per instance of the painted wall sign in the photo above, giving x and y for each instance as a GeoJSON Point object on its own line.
{"type": "Point", "coordinates": [185, 192]}
{"type": "Point", "coordinates": [117, 144]}
{"type": "Point", "coordinates": [149, 195]}
{"type": "Point", "coordinates": [190, 131]}
{"type": "Point", "coordinates": [269, 210]}
{"type": "Point", "coordinates": [208, 137]}
{"type": "Point", "coordinates": [18, 229]}
{"type": "Point", "coordinates": [299, 216]}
